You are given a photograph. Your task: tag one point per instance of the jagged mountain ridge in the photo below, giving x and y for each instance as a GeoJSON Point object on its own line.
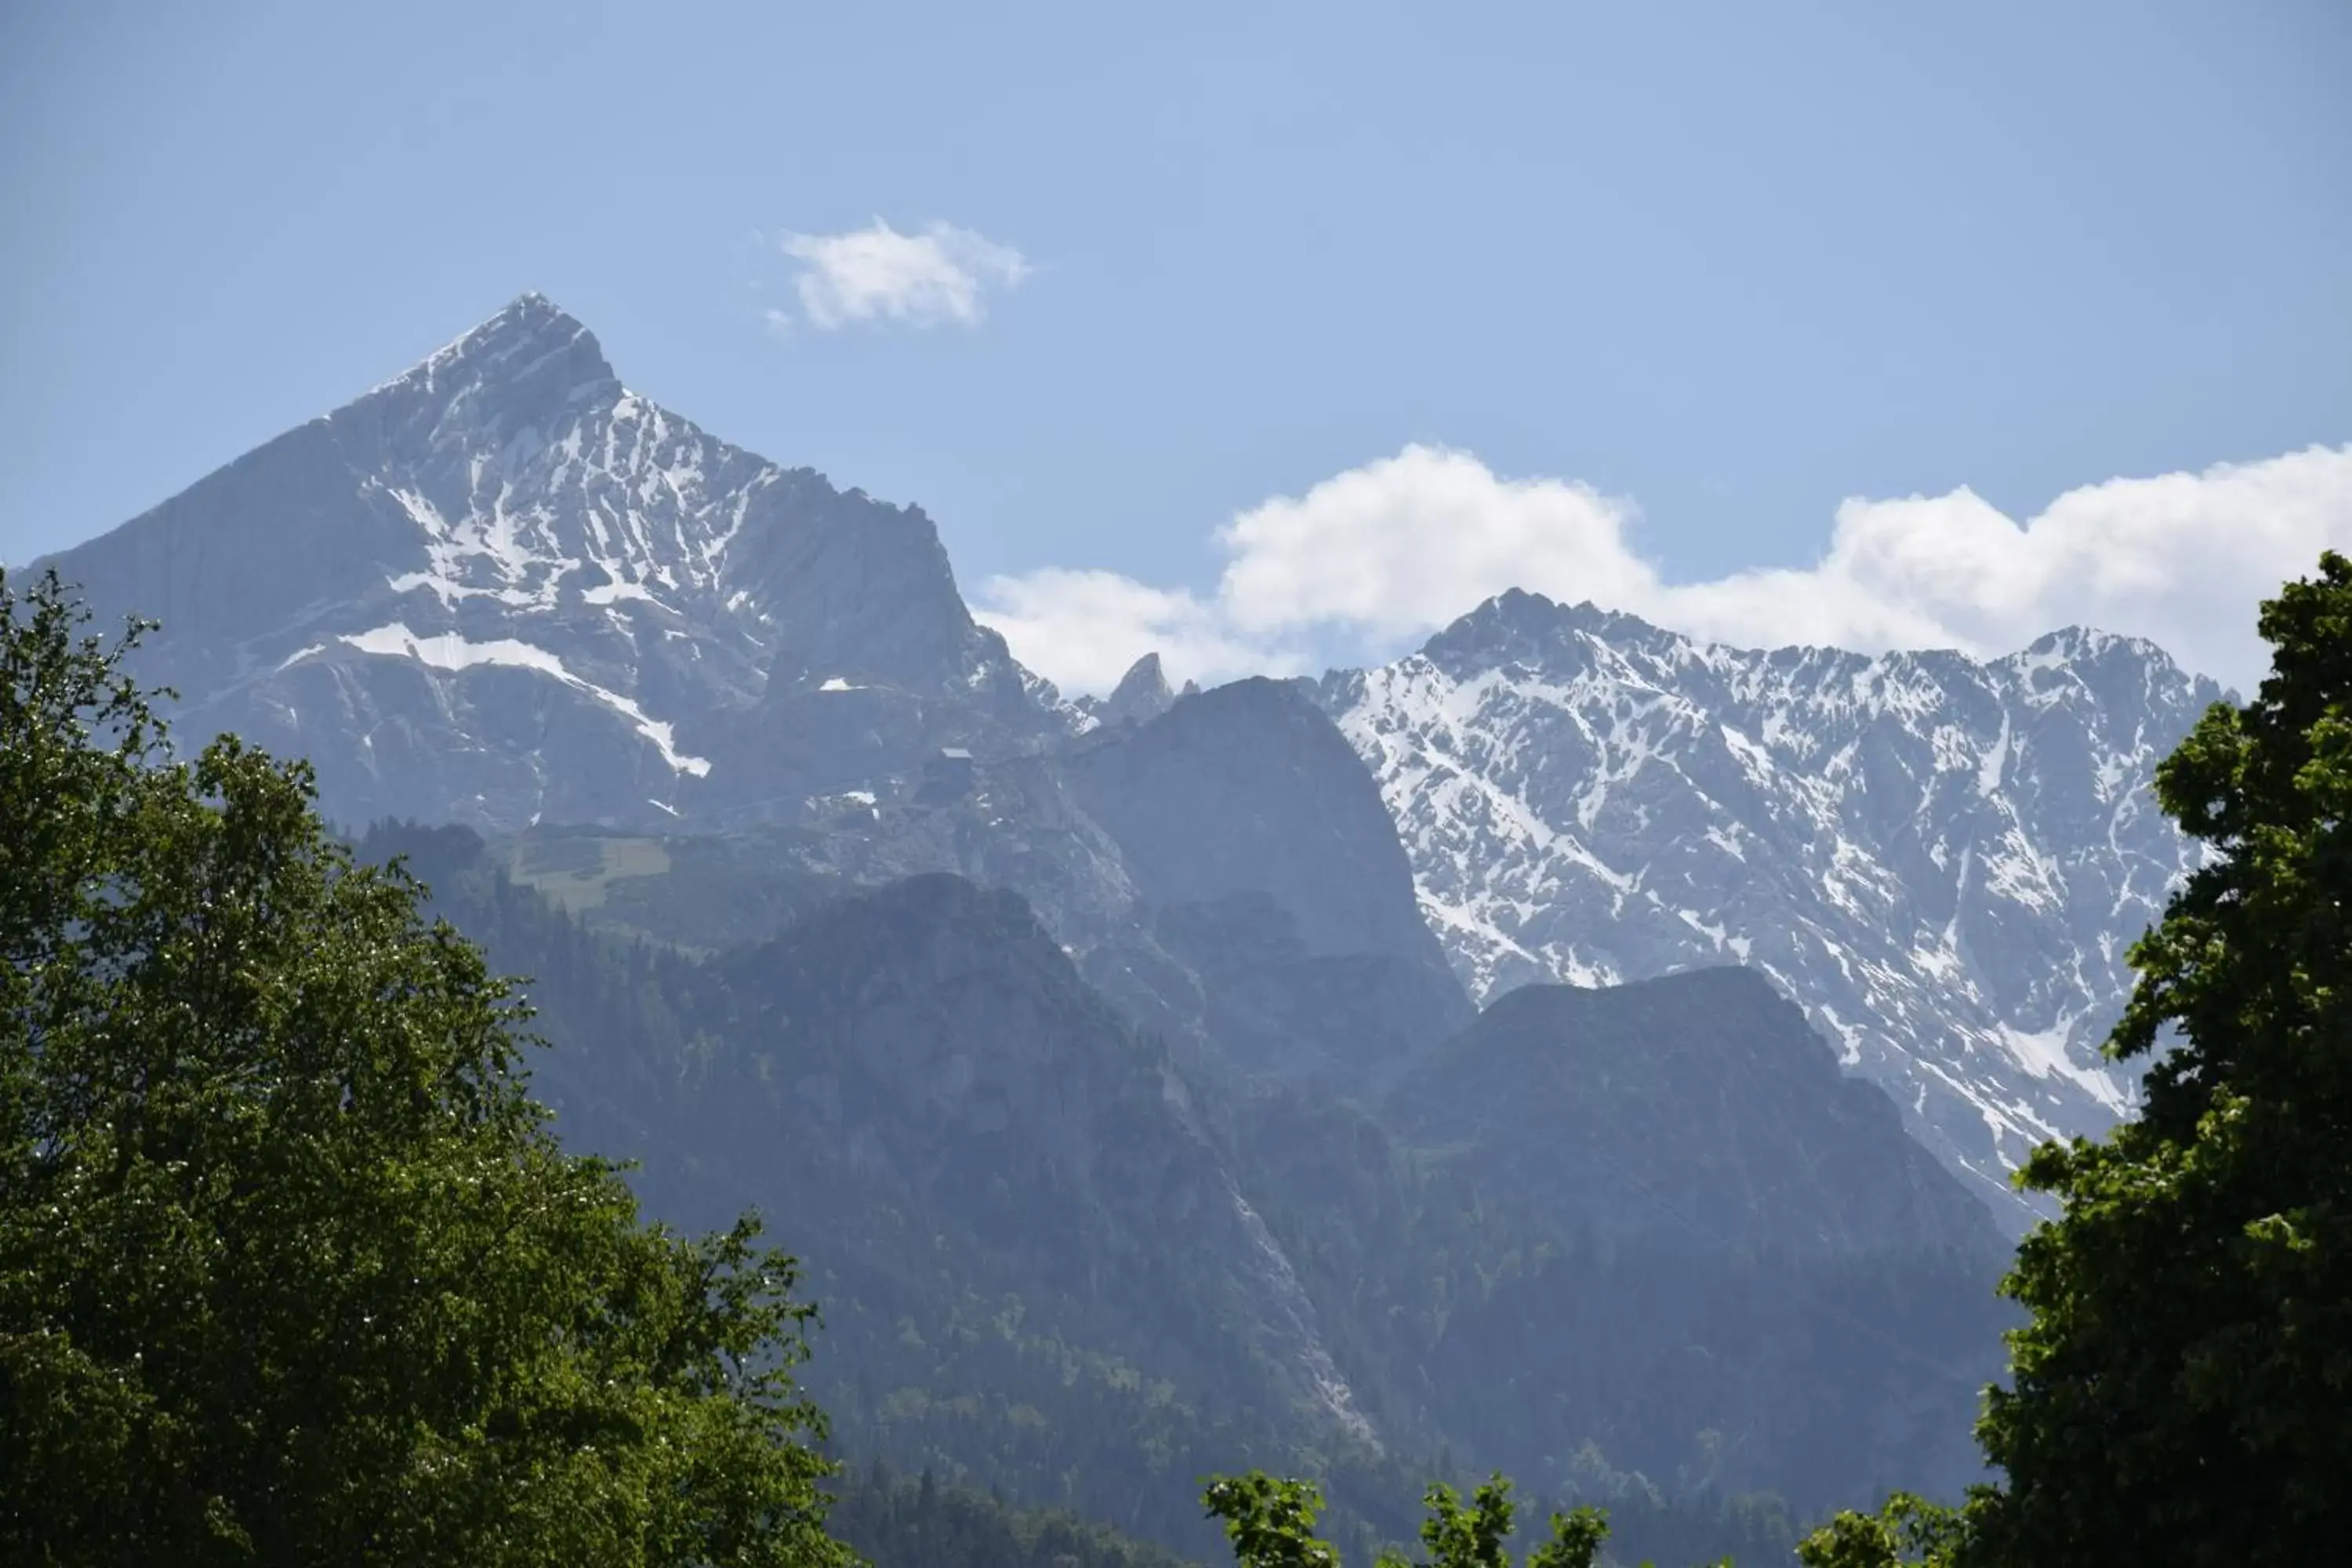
{"type": "Point", "coordinates": [1943, 860]}
{"type": "Point", "coordinates": [502, 587]}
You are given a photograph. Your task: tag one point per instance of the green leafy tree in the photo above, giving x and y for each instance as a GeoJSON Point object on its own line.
{"type": "Point", "coordinates": [1909, 1530]}
{"type": "Point", "coordinates": [290, 1269]}
{"type": "Point", "coordinates": [2182, 1391]}
{"type": "Point", "coordinates": [1460, 1535]}
{"type": "Point", "coordinates": [1271, 1523]}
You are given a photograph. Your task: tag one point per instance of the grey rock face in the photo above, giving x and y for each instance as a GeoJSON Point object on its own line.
{"type": "Point", "coordinates": [503, 587]}
{"type": "Point", "coordinates": [1226, 873]}
{"type": "Point", "coordinates": [1277, 922]}
{"type": "Point", "coordinates": [1942, 860]}
{"type": "Point", "coordinates": [1142, 693]}
{"type": "Point", "coordinates": [1248, 788]}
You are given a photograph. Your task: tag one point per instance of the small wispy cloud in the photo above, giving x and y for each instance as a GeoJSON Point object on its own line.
{"type": "Point", "coordinates": [939, 276]}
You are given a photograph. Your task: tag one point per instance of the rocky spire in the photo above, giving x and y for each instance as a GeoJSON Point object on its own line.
{"type": "Point", "coordinates": [1141, 695]}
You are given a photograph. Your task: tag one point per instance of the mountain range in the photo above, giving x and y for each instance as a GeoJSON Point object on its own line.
{"type": "Point", "coordinates": [502, 589]}
{"type": "Point", "coordinates": [1945, 862]}
{"type": "Point", "coordinates": [1571, 1046]}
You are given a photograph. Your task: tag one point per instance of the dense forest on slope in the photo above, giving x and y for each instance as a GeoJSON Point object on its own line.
{"type": "Point", "coordinates": [895, 1520]}
{"type": "Point", "coordinates": [959, 1338]}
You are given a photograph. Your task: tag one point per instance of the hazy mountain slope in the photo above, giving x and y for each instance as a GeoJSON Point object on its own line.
{"type": "Point", "coordinates": [1697, 1110]}
{"type": "Point", "coordinates": [1224, 872]}
{"type": "Point", "coordinates": [1034, 1265]}
{"type": "Point", "coordinates": [1054, 1256]}
{"type": "Point", "coordinates": [1757, 1275]}
{"type": "Point", "coordinates": [1276, 919]}
{"type": "Point", "coordinates": [1942, 860]}
{"type": "Point", "coordinates": [1248, 788]}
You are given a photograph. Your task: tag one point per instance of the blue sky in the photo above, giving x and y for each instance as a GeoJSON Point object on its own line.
{"type": "Point", "coordinates": [1720, 267]}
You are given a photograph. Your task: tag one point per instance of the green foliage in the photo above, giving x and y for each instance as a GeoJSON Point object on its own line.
{"type": "Point", "coordinates": [1471, 1536]}
{"type": "Point", "coordinates": [1271, 1525]}
{"type": "Point", "coordinates": [1270, 1521]}
{"type": "Point", "coordinates": [290, 1270]}
{"type": "Point", "coordinates": [1576, 1540]}
{"type": "Point", "coordinates": [899, 1521]}
{"type": "Point", "coordinates": [1908, 1531]}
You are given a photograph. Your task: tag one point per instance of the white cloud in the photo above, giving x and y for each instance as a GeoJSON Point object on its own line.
{"type": "Point", "coordinates": [1082, 629]}
{"type": "Point", "coordinates": [1368, 562]}
{"type": "Point", "coordinates": [941, 275]}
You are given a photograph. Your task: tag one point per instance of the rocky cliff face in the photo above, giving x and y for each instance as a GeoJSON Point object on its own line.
{"type": "Point", "coordinates": [1141, 694]}
{"type": "Point", "coordinates": [1250, 788]}
{"type": "Point", "coordinates": [1277, 921]}
{"type": "Point", "coordinates": [1943, 861]}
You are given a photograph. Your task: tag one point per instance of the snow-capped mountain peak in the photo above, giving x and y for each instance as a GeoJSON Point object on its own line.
{"type": "Point", "coordinates": [501, 585]}
{"type": "Point", "coordinates": [531, 474]}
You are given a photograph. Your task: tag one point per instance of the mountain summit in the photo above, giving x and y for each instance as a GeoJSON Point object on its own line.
{"type": "Point", "coordinates": [527, 362]}
{"type": "Point", "coordinates": [502, 586]}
